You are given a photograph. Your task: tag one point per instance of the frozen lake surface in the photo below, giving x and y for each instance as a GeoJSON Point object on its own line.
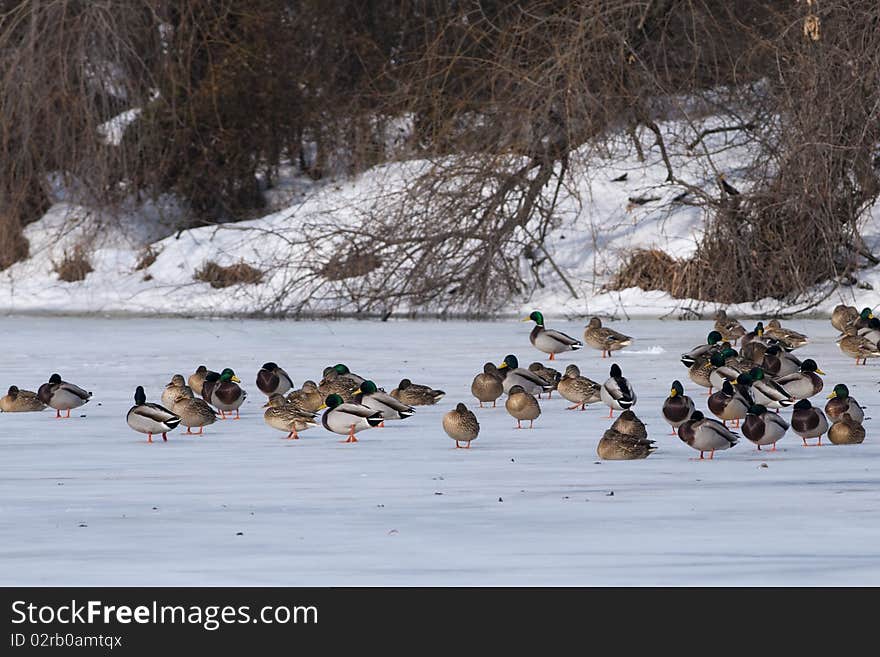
{"type": "Point", "coordinates": [87, 501]}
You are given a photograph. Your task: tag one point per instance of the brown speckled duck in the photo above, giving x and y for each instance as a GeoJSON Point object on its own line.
{"type": "Point", "coordinates": [522, 405]}
{"type": "Point", "coordinates": [413, 394]}
{"type": "Point", "coordinates": [578, 389]}
{"type": "Point", "coordinates": [604, 339]}
{"type": "Point", "coordinates": [486, 386]}
{"type": "Point", "coordinates": [461, 425]}
{"type": "Point", "coordinates": [20, 401]}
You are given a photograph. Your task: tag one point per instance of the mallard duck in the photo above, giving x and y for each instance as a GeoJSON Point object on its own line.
{"type": "Point", "coordinates": [871, 331]}
{"type": "Point", "coordinates": [705, 435]}
{"type": "Point", "coordinates": [677, 407]}
{"type": "Point", "coordinates": [846, 432]}
{"type": "Point", "coordinates": [701, 370]}
{"type": "Point", "coordinates": [550, 341]}
{"type": "Point", "coordinates": [224, 393]}
{"type": "Point", "coordinates": [726, 366]}
{"type": "Point", "coordinates": [461, 425]}
{"type": "Point", "coordinates": [347, 419]}
{"type": "Point", "coordinates": [765, 392]}
{"type": "Point", "coordinates": [863, 319]}
{"type": "Point", "coordinates": [486, 386]}
{"type": "Point", "coordinates": [713, 344]}
{"type": "Point", "coordinates": [616, 392]}
{"type": "Point", "coordinates": [808, 422]}
{"type": "Point", "coordinates": [778, 362]}
{"type": "Point", "coordinates": [334, 383]}
{"type": "Point", "coordinates": [175, 390]}
{"type": "Point", "coordinates": [413, 394]}
{"type": "Point", "coordinates": [273, 380]}
{"type": "Point", "coordinates": [756, 333]}
{"type": "Point", "coordinates": [286, 417]}
{"type": "Point", "coordinates": [371, 397]}
{"type": "Point", "coordinates": [843, 316]}
{"type": "Point", "coordinates": [729, 329]}
{"type": "Point", "coordinates": [549, 374]}
{"type": "Point", "coordinates": [150, 418]}
{"type": "Point", "coordinates": [197, 378]}
{"type": "Point", "coordinates": [855, 346]}
{"type": "Point", "coordinates": [514, 375]}
{"type": "Point", "coordinates": [578, 389]}
{"type": "Point", "coordinates": [343, 371]}
{"type": "Point", "coordinates": [728, 405]}
{"type": "Point", "coordinates": [789, 336]}
{"type": "Point", "coordinates": [841, 406]}
{"type": "Point", "coordinates": [20, 401]}
{"type": "Point", "coordinates": [804, 383]}
{"type": "Point", "coordinates": [763, 427]}
{"type": "Point", "coordinates": [604, 339]}
{"type": "Point", "coordinates": [629, 424]}
{"type": "Point", "coordinates": [522, 405]}
{"type": "Point", "coordinates": [308, 398]}
{"type": "Point", "coordinates": [194, 412]}
{"type": "Point", "coordinates": [62, 396]}
{"type": "Point", "coordinates": [617, 446]}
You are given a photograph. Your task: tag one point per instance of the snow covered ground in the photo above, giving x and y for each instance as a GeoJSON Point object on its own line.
{"type": "Point", "coordinates": [88, 501]}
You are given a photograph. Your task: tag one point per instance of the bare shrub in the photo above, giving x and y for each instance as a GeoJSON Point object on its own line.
{"type": "Point", "coordinates": [648, 269]}
{"type": "Point", "coordinates": [74, 266]}
{"type": "Point", "coordinates": [219, 276]}
{"type": "Point", "coordinates": [350, 266]}
{"type": "Point", "coordinates": [148, 257]}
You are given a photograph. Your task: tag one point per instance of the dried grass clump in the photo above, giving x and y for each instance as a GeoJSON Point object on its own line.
{"type": "Point", "coordinates": [648, 269]}
{"type": "Point", "coordinates": [148, 257]}
{"type": "Point", "coordinates": [219, 276]}
{"type": "Point", "coordinates": [351, 266]}
{"type": "Point", "coordinates": [75, 265]}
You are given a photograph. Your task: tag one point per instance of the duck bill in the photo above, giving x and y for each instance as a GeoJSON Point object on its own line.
{"type": "Point", "coordinates": [832, 395]}
{"type": "Point", "coordinates": [357, 392]}
{"type": "Point", "coordinates": [672, 393]}
{"type": "Point", "coordinates": [235, 379]}
{"type": "Point", "coordinates": [502, 366]}
{"type": "Point", "coordinates": [818, 371]}
{"type": "Point", "coordinates": [322, 407]}
{"type": "Point", "coordinates": [526, 319]}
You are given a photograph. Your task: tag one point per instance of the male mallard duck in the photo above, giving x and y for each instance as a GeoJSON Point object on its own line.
{"type": "Point", "coordinates": [843, 316]}
{"type": "Point", "coordinates": [343, 371]}
{"type": "Point", "coordinates": [522, 405]}
{"type": "Point", "coordinates": [371, 397]}
{"type": "Point", "coordinates": [846, 432]}
{"type": "Point", "coordinates": [841, 406]}
{"type": "Point", "coordinates": [863, 319]}
{"type": "Point", "coordinates": [705, 435]}
{"type": "Point", "coordinates": [347, 419]}
{"type": "Point", "coordinates": [224, 393]}
{"type": "Point", "coordinates": [335, 383]}
{"type": "Point", "coordinates": [578, 389]}
{"type": "Point", "coordinates": [763, 427]}
{"type": "Point", "coordinates": [197, 378]}
{"type": "Point", "coordinates": [549, 374]}
{"type": "Point", "coordinates": [616, 392]}
{"type": "Point", "coordinates": [550, 341]}
{"type": "Point", "coordinates": [713, 344]}
{"type": "Point", "coordinates": [308, 398]}
{"type": "Point", "coordinates": [678, 407]}
{"type": "Point", "coordinates": [808, 422]}
{"type": "Point", "coordinates": [194, 412]}
{"type": "Point", "coordinates": [287, 417]}
{"type": "Point", "coordinates": [728, 404]}
{"type": "Point", "coordinates": [514, 375]}
{"type": "Point", "coordinates": [150, 418]}
{"type": "Point", "coordinates": [871, 331]}
{"type": "Point", "coordinates": [486, 386]}
{"type": "Point", "coordinates": [789, 336]}
{"type": "Point", "coordinates": [804, 383]}
{"type": "Point", "coordinates": [273, 380]}
{"type": "Point", "coordinates": [756, 333]}
{"type": "Point", "coordinates": [20, 401]}
{"type": "Point", "coordinates": [729, 329]}
{"type": "Point", "coordinates": [629, 424]}
{"type": "Point", "coordinates": [617, 446]}
{"type": "Point", "coordinates": [765, 392]}
{"type": "Point", "coordinates": [175, 390]}
{"type": "Point", "coordinates": [461, 425]}
{"type": "Point", "coordinates": [62, 396]}
{"type": "Point", "coordinates": [604, 339]}
{"type": "Point", "coordinates": [414, 394]}
{"type": "Point", "coordinates": [855, 346]}
{"type": "Point", "coordinates": [726, 366]}
{"type": "Point", "coordinates": [778, 362]}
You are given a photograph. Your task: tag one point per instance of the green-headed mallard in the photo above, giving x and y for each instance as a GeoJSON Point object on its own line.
{"type": "Point", "coordinates": [808, 422]}
{"type": "Point", "coordinates": [604, 339]}
{"type": "Point", "coordinates": [348, 418]}
{"type": "Point", "coordinates": [578, 389]}
{"type": "Point", "coordinates": [789, 336]}
{"type": "Point", "coordinates": [342, 370]}
{"type": "Point", "coordinates": [677, 407]}
{"type": "Point", "coordinates": [194, 412]}
{"type": "Point", "coordinates": [804, 383]}
{"type": "Point", "coordinates": [413, 394]}
{"type": "Point", "coordinates": [841, 406]}
{"type": "Point", "coordinates": [287, 417]}
{"type": "Point", "coordinates": [197, 378]}
{"type": "Point", "coordinates": [378, 400]}
{"type": "Point", "coordinates": [863, 320]}
{"type": "Point", "coordinates": [150, 418]}
{"type": "Point", "coordinates": [514, 375]}
{"type": "Point", "coordinates": [461, 425]}
{"type": "Point", "coordinates": [616, 392]}
{"type": "Point", "coordinates": [728, 404]}
{"type": "Point", "coordinates": [61, 395]}
{"type": "Point", "coordinates": [846, 432]}
{"type": "Point", "coordinates": [617, 446]}
{"type": "Point", "coordinates": [705, 435]}
{"type": "Point", "coordinates": [779, 362]}
{"type": "Point", "coordinates": [335, 383]}
{"type": "Point", "coordinates": [522, 405]}
{"type": "Point", "coordinates": [713, 344]}
{"type": "Point", "coordinates": [550, 341]}
{"type": "Point", "coordinates": [858, 347]}
{"type": "Point", "coordinates": [765, 392]}
{"type": "Point", "coordinates": [273, 380]}
{"type": "Point", "coordinates": [843, 315]}
{"type": "Point", "coordinates": [175, 390]}
{"type": "Point", "coordinates": [20, 401]}
{"type": "Point", "coordinates": [549, 374]}
{"type": "Point", "coordinates": [756, 333]}
{"type": "Point", "coordinates": [486, 386]}
{"type": "Point", "coordinates": [871, 331]}
{"type": "Point", "coordinates": [763, 427]}
{"type": "Point", "coordinates": [308, 398]}
{"type": "Point", "coordinates": [729, 329]}
{"type": "Point", "coordinates": [224, 393]}
{"type": "Point", "coordinates": [726, 366]}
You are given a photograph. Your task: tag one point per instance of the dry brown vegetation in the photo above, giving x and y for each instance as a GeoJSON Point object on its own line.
{"type": "Point", "coordinates": [74, 266]}
{"type": "Point", "coordinates": [219, 276]}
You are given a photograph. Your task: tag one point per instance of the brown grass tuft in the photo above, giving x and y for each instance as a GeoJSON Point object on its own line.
{"type": "Point", "coordinates": [148, 257]}
{"type": "Point", "coordinates": [75, 265]}
{"type": "Point", "coordinates": [648, 269]}
{"type": "Point", "coordinates": [237, 274]}
{"type": "Point", "coordinates": [355, 264]}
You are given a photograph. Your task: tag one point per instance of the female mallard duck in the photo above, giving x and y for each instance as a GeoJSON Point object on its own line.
{"type": "Point", "coordinates": [150, 418]}
{"type": "Point", "coordinates": [461, 425]}
{"type": "Point", "coordinates": [843, 316]}
{"type": "Point", "coordinates": [197, 378]}
{"type": "Point", "coordinates": [765, 392]}
{"type": "Point", "coordinates": [616, 392]}
{"type": "Point", "coordinates": [20, 401]}
{"type": "Point", "coordinates": [730, 329]}
{"type": "Point", "coordinates": [550, 341]}
{"type": "Point", "coordinates": [763, 427]}
{"type": "Point", "coordinates": [224, 393]}
{"type": "Point", "coordinates": [343, 371]}
{"type": "Point", "coordinates": [549, 374]}
{"type": "Point", "coordinates": [308, 398]}
{"type": "Point", "coordinates": [617, 446]}
{"type": "Point", "coordinates": [335, 383]}
{"type": "Point", "coordinates": [522, 405]}
{"type": "Point", "coordinates": [629, 424]}
{"type": "Point", "coordinates": [846, 432]}
{"type": "Point", "coordinates": [486, 386]}
{"type": "Point", "coordinates": [62, 396]}
{"type": "Point", "coordinates": [413, 394]}
{"type": "Point", "coordinates": [858, 347]}
{"type": "Point", "coordinates": [804, 383]}
{"type": "Point", "coordinates": [871, 331]}
{"type": "Point", "coordinates": [194, 412]}
{"type": "Point", "coordinates": [678, 407]}
{"type": "Point", "coordinates": [701, 370]}
{"type": "Point", "coordinates": [392, 409]}
{"type": "Point", "coordinates": [713, 344]}
{"type": "Point", "coordinates": [789, 336]}
{"type": "Point", "coordinates": [578, 389]}
{"type": "Point", "coordinates": [778, 362]}
{"type": "Point", "coordinates": [514, 375]}
{"type": "Point", "coordinates": [728, 404]}
{"type": "Point", "coordinates": [604, 339]}
{"type": "Point", "coordinates": [175, 390]}
{"type": "Point", "coordinates": [841, 406]}
{"type": "Point", "coordinates": [273, 380]}
{"type": "Point", "coordinates": [808, 422]}
{"type": "Point", "coordinates": [705, 435]}
{"type": "Point", "coordinates": [347, 419]}
{"type": "Point", "coordinates": [287, 417]}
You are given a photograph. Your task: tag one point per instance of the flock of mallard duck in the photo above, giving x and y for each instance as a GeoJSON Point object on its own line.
{"type": "Point", "coordinates": [744, 387]}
